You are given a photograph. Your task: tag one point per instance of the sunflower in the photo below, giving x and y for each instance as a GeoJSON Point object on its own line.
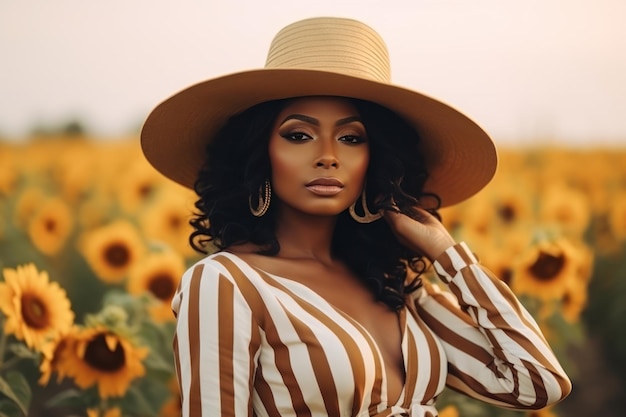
{"type": "Point", "coordinates": [574, 301]}
{"type": "Point", "coordinates": [567, 207]}
{"type": "Point", "coordinates": [37, 311]}
{"type": "Point", "coordinates": [575, 298]}
{"type": "Point", "coordinates": [27, 205]}
{"type": "Point", "coordinates": [449, 411]}
{"type": "Point", "coordinates": [546, 270]}
{"type": "Point", "coordinates": [167, 221]}
{"type": "Point", "coordinates": [498, 261]}
{"type": "Point", "coordinates": [51, 226]}
{"type": "Point", "coordinates": [513, 206]}
{"type": "Point", "coordinates": [51, 359]}
{"type": "Point", "coordinates": [112, 250]}
{"type": "Point", "coordinates": [98, 356]}
{"type": "Point", "coordinates": [159, 275]}
{"type": "Point", "coordinates": [138, 185]}
{"type": "Point", "coordinates": [476, 222]}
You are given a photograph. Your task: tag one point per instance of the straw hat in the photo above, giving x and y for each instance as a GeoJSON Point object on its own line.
{"type": "Point", "coordinates": [320, 56]}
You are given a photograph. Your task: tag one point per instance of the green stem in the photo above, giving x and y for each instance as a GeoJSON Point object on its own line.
{"type": "Point", "coordinates": [104, 406]}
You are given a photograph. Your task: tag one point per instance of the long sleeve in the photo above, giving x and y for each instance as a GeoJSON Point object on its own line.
{"type": "Point", "coordinates": [495, 350]}
{"type": "Point", "coordinates": [215, 369]}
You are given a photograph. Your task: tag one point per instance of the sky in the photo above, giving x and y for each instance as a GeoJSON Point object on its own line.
{"type": "Point", "coordinates": [527, 71]}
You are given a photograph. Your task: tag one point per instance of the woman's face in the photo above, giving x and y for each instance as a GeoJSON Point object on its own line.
{"type": "Point", "coordinates": [319, 155]}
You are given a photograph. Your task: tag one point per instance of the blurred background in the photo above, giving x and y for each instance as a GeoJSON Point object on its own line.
{"type": "Point", "coordinates": [93, 241]}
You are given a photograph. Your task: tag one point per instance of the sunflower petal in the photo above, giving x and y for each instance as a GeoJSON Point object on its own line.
{"type": "Point", "coordinates": [111, 341]}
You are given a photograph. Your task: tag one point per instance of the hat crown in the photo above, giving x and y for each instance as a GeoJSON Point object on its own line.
{"type": "Point", "coordinates": [339, 45]}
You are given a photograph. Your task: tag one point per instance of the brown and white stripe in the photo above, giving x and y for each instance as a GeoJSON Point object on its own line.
{"type": "Point", "coordinates": [248, 343]}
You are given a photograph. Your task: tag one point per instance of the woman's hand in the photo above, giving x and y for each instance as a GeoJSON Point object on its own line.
{"type": "Point", "coordinates": [426, 235]}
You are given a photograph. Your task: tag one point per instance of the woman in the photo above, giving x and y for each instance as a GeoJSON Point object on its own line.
{"type": "Point", "coordinates": [319, 183]}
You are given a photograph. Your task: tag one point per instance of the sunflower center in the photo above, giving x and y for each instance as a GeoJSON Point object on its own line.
{"type": "Point", "coordinates": [144, 190]}
{"type": "Point", "coordinates": [162, 286]}
{"type": "Point", "coordinates": [34, 312]}
{"type": "Point", "coordinates": [547, 266]}
{"type": "Point", "coordinates": [99, 356]}
{"type": "Point", "coordinates": [506, 275]}
{"type": "Point", "coordinates": [567, 299]}
{"type": "Point", "coordinates": [455, 225]}
{"type": "Point", "coordinates": [507, 213]}
{"type": "Point", "coordinates": [175, 222]}
{"type": "Point", "coordinates": [50, 225]}
{"type": "Point", "coordinates": [117, 255]}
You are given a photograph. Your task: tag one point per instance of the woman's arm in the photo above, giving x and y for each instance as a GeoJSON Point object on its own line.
{"type": "Point", "coordinates": [495, 349]}
{"type": "Point", "coordinates": [215, 369]}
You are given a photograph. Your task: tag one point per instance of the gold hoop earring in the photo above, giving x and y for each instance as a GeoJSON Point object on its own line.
{"type": "Point", "coordinates": [265, 195]}
{"type": "Point", "coordinates": [368, 216]}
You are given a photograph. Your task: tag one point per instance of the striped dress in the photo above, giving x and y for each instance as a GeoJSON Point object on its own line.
{"type": "Point", "coordinates": [249, 343]}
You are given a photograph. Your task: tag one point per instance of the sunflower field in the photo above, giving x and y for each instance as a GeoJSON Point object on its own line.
{"type": "Point", "coordinates": [93, 242]}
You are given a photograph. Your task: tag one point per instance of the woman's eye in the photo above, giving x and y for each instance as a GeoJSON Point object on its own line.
{"type": "Point", "coordinates": [296, 136]}
{"type": "Point", "coordinates": [353, 139]}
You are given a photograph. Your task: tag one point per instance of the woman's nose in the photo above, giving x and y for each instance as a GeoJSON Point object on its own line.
{"type": "Point", "coordinates": [327, 155]}
{"type": "Point", "coordinates": [327, 161]}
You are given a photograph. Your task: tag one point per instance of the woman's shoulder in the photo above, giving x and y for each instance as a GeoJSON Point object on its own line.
{"type": "Point", "coordinates": [218, 275]}
{"type": "Point", "coordinates": [221, 262]}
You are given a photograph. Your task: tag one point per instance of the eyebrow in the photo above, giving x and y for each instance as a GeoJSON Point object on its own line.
{"type": "Point", "coordinates": [314, 121]}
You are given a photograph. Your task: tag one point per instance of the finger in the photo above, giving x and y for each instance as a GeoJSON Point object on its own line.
{"type": "Point", "coordinates": [392, 215]}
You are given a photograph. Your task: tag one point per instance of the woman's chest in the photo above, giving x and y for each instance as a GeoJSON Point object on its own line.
{"type": "Point", "coordinates": [317, 352]}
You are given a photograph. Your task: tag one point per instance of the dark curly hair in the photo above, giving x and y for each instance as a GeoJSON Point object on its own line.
{"type": "Point", "coordinates": [237, 164]}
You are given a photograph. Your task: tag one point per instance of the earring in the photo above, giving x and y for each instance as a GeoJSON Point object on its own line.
{"type": "Point", "coordinates": [265, 194]}
{"type": "Point", "coordinates": [368, 216]}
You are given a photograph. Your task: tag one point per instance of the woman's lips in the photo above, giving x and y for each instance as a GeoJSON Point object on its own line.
{"type": "Point", "coordinates": [325, 186]}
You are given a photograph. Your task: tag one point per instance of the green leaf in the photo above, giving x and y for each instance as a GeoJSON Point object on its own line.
{"type": "Point", "coordinates": [15, 387]}
{"type": "Point", "coordinates": [136, 403]}
{"type": "Point", "coordinates": [9, 408]}
{"type": "Point", "coordinates": [22, 351]}
{"type": "Point", "coordinates": [72, 398]}
{"type": "Point", "coordinates": [156, 363]}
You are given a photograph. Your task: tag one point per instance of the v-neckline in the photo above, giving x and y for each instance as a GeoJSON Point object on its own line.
{"type": "Point", "coordinates": [401, 321]}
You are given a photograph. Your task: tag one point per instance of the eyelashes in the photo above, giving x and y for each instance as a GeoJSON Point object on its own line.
{"type": "Point", "coordinates": [353, 139]}
{"type": "Point", "coordinates": [298, 136]}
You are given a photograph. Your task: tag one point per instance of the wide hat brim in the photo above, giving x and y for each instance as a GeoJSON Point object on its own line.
{"type": "Point", "coordinates": [461, 158]}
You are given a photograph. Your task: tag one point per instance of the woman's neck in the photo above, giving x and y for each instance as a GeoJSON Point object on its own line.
{"type": "Point", "coordinates": [306, 237]}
